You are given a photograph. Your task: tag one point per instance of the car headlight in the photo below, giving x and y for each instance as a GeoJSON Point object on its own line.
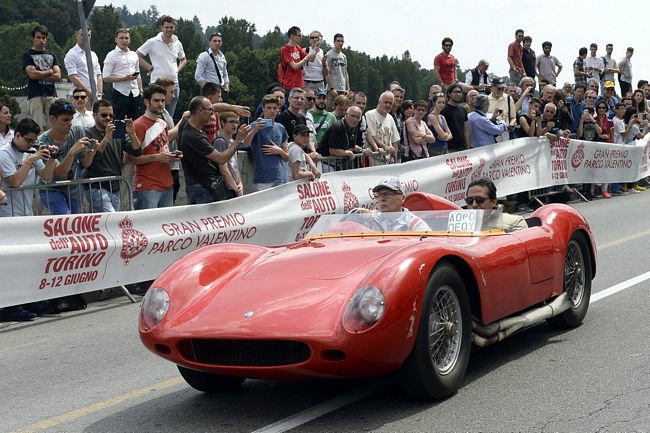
{"type": "Point", "coordinates": [154, 307]}
{"type": "Point", "coordinates": [364, 310]}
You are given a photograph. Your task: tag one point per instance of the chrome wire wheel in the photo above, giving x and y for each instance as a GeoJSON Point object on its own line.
{"type": "Point", "coordinates": [574, 273]}
{"type": "Point", "coordinates": [445, 330]}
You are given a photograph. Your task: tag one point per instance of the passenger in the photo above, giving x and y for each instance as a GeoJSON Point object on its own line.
{"type": "Point", "coordinates": [392, 217]}
{"type": "Point", "coordinates": [482, 194]}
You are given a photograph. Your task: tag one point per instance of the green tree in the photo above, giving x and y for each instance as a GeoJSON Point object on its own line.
{"type": "Point", "coordinates": [237, 34]}
{"type": "Point", "coordinates": [275, 39]}
{"type": "Point", "coordinates": [191, 39]}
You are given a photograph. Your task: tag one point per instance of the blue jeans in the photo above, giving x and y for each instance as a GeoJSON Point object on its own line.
{"type": "Point", "coordinates": [171, 107]}
{"type": "Point", "coordinates": [198, 194]}
{"type": "Point", "coordinates": [153, 199]}
{"type": "Point", "coordinates": [103, 200]}
{"type": "Point", "coordinates": [58, 202]}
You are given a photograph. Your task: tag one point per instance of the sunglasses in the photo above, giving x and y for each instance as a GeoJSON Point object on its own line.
{"type": "Point", "coordinates": [77, 97]}
{"type": "Point", "coordinates": [106, 115]}
{"type": "Point", "coordinates": [479, 200]}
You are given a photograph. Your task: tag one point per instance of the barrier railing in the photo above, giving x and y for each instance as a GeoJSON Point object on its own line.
{"type": "Point", "coordinates": [360, 160]}
{"type": "Point", "coordinates": [78, 190]}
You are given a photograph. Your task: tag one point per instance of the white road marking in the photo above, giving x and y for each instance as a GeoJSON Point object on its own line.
{"type": "Point", "coordinates": [325, 407]}
{"type": "Point", "coordinates": [619, 287]}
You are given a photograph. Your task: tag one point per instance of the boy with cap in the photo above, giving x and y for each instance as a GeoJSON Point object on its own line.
{"type": "Point", "coordinates": [299, 161]}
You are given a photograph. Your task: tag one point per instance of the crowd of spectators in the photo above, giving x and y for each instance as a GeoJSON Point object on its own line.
{"type": "Point", "coordinates": [309, 119]}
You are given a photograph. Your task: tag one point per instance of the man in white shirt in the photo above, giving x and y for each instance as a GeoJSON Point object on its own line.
{"type": "Point", "coordinates": [382, 134]}
{"type": "Point", "coordinates": [82, 116]}
{"type": "Point", "coordinates": [212, 67]}
{"type": "Point", "coordinates": [77, 67]}
{"type": "Point", "coordinates": [167, 57]}
{"type": "Point", "coordinates": [122, 70]}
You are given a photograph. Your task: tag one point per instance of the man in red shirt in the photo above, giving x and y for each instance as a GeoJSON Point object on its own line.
{"type": "Point", "coordinates": [444, 65]}
{"type": "Point", "coordinates": [153, 183]}
{"type": "Point", "coordinates": [515, 58]}
{"type": "Point", "coordinates": [293, 57]}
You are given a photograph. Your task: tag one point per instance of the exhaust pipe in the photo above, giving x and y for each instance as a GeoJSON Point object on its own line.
{"type": "Point", "coordinates": [485, 335]}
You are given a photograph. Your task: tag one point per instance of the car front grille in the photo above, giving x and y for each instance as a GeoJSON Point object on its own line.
{"type": "Point", "coordinates": [245, 353]}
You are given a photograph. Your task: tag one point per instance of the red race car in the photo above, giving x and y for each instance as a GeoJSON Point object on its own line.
{"type": "Point", "coordinates": [355, 300]}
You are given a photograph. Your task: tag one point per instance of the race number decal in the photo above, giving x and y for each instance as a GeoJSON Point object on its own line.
{"type": "Point", "coordinates": [465, 220]}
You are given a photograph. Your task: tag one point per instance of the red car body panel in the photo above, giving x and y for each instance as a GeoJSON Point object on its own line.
{"type": "Point", "coordinates": [299, 292]}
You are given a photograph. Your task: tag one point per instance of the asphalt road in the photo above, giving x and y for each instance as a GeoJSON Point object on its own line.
{"type": "Point", "coordinates": [88, 372]}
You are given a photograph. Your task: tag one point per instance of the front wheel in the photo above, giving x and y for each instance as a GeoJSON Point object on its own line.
{"type": "Point", "coordinates": [208, 382]}
{"type": "Point", "coordinates": [436, 366]}
{"type": "Point", "coordinates": [577, 283]}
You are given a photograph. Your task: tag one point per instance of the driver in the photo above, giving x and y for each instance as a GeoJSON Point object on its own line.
{"type": "Point", "coordinates": [392, 217]}
{"type": "Point", "coordinates": [482, 194]}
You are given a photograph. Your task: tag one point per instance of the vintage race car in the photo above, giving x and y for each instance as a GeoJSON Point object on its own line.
{"type": "Point", "coordinates": [355, 300]}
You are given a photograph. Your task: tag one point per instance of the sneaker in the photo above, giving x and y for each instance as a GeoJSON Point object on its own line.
{"type": "Point", "coordinates": [615, 192]}
{"type": "Point", "coordinates": [17, 314]}
{"type": "Point", "coordinates": [624, 188]}
{"type": "Point", "coordinates": [606, 194]}
{"type": "Point", "coordinates": [632, 191]}
{"type": "Point", "coordinates": [638, 188]}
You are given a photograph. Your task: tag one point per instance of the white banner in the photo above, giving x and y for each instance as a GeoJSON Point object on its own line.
{"type": "Point", "coordinates": [51, 256]}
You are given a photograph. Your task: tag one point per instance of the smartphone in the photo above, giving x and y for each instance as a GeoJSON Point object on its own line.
{"type": "Point", "coordinates": [92, 143]}
{"type": "Point", "coordinates": [135, 74]}
{"type": "Point", "coordinates": [268, 122]}
{"type": "Point", "coordinates": [120, 129]}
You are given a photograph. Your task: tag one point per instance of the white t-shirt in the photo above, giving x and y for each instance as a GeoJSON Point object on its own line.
{"type": "Point", "coordinates": [19, 203]}
{"type": "Point", "coordinates": [85, 120]}
{"type": "Point", "coordinates": [314, 70]}
{"type": "Point", "coordinates": [619, 129]}
{"type": "Point", "coordinates": [382, 127]}
{"type": "Point", "coordinates": [296, 154]}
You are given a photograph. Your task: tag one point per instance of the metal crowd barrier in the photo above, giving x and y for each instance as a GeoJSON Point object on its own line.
{"type": "Point", "coordinates": [360, 160]}
{"type": "Point", "coordinates": [537, 195]}
{"type": "Point", "coordinates": [75, 189]}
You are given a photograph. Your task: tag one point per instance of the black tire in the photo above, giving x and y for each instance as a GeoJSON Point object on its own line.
{"type": "Point", "coordinates": [577, 282]}
{"type": "Point", "coordinates": [435, 370]}
{"type": "Point", "coordinates": [208, 382]}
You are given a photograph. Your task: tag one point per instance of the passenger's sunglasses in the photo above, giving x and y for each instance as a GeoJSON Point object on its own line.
{"type": "Point", "coordinates": [479, 200]}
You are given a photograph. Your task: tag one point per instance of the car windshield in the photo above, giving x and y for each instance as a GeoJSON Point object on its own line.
{"type": "Point", "coordinates": [441, 222]}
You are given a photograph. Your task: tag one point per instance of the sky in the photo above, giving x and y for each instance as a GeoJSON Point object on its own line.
{"type": "Point", "coordinates": [479, 29]}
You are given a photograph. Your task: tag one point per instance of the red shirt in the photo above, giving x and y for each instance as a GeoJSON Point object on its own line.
{"type": "Point", "coordinates": [447, 67]}
{"type": "Point", "coordinates": [292, 77]}
{"type": "Point", "coordinates": [514, 52]}
{"type": "Point", "coordinates": [153, 136]}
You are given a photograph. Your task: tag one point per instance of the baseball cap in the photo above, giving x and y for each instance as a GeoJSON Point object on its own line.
{"type": "Point", "coordinates": [320, 92]}
{"type": "Point", "coordinates": [609, 84]}
{"type": "Point", "coordinates": [391, 182]}
{"type": "Point", "coordinates": [301, 129]}
{"type": "Point", "coordinates": [498, 83]}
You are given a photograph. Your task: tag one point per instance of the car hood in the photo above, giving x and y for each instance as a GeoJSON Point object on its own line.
{"type": "Point", "coordinates": [323, 260]}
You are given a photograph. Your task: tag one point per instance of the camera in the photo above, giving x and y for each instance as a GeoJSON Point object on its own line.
{"type": "Point", "coordinates": [92, 144]}
{"type": "Point", "coordinates": [52, 150]}
{"type": "Point", "coordinates": [538, 113]}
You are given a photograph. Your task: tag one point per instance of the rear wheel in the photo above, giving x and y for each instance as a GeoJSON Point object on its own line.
{"type": "Point", "coordinates": [208, 382]}
{"type": "Point", "coordinates": [436, 366]}
{"type": "Point", "coordinates": [577, 283]}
